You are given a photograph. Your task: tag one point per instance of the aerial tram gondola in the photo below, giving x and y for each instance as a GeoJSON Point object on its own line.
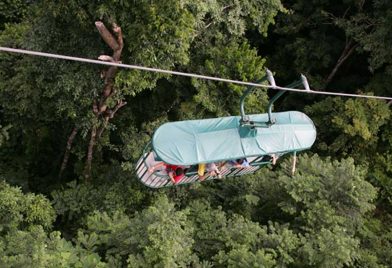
{"type": "Point", "coordinates": [258, 138]}
{"type": "Point", "coordinates": [252, 137]}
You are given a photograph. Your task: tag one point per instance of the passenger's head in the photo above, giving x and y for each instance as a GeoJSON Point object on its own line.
{"type": "Point", "coordinates": [179, 172]}
{"type": "Point", "coordinates": [240, 161]}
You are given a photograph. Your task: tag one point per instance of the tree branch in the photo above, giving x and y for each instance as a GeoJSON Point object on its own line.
{"type": "Point", "coordinates": [90, 151]}
{"type": "Point", "coordinates": [107, 36]}
{"type": "Point", "coordinates": [117, 52]}
{"type": "Point", "coordinates": [109, 115]}
{"type": "Point", "coordinates": [348, 50]}
{"type": "Point", "coordinates": [119, 104]}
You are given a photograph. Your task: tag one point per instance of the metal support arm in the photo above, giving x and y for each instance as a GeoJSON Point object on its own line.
{"type": "Point", "coordinates": [244, 117]}
{"type": "Point", "coordinates": [245, 120]}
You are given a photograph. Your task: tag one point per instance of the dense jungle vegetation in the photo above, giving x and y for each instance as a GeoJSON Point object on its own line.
{"type": "Point", "coordinates": [71, 133]}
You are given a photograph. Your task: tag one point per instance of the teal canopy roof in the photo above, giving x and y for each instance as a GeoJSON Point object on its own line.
{"type": "Point", "coordinates": [211, 140]}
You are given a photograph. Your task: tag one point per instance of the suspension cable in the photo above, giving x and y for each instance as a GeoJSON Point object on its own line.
{"type": "Point", "coordinates": [205, 77]}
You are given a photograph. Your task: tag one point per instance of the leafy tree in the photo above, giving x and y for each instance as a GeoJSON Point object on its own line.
{"type": "Point", "coordinates": [360, 129]}
{"type": "Point", "coordinates": [19, 211]}
{"type": "Point", "coordinates": [34, 248]}
{"type": "Point", "coordinates": [329, 200]}
{"type": "Point", "coordinates": [75, 202]}
{"type": "Point", "coordinates": [375, 241]}
{"type": "Point", "coordinates": [309, 40]}
{"type": "Point", "coordinates": [4, 136]}
{"type": "Point", "coordinates": [349, 127]}
{"type": "Point", "coordinates": [24, 241]}
{"type": "Point", "coordinates": [159, 235]}
{"type": "Point", "coordinates": [12, 11]}
{"type": "Point", "coordinates": [370, 29]}
{"type": "Point", "coordinates": [325, 205]}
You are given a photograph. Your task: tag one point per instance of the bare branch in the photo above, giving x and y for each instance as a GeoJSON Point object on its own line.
{"type": "Point", "coordinates": [348, 50]}
{"type": "Point", "coordinates": [361, 4]}
{"type": "Point", "coordinates": [68, 150]}
{"type": "Point", "coordinates": [103, 108]}
{"type": "Point", "coordinates": [90, 151]}
{"type": "Point", "coordinates": [106, 58]}
{"type": "Point", "coordinates": [226, 7]}
{"type": "Point", "coordinates": [120, 104]}
{"type": "Point", "coordinates": [107, 36]}
{"type": "Point", "coordinates": [109, 115]}
{"type": "Point", "coordinates": [345, 12]}
{"type": "Point", "coordinates": [208, 25]}
{"type": "Point", "coordinates": [117, 52]}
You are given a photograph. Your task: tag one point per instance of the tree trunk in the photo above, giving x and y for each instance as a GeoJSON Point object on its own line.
{"type": "Point", "coordinates": [90, 151]}
{"type": "Point", "coordinates": [108, 115]}
{"type": "Point", "coordinates": [68, 150]}
{"type": "Point", "coordinates": [102, 112]}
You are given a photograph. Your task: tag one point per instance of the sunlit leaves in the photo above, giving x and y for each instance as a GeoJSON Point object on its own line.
{"type": "Point", "coordinates": [349, 126]}
{"type": "Point", "coordinates": [19, 211]}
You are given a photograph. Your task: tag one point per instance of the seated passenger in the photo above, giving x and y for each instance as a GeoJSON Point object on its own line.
{"type": "Point", "coordinates": [211, 168]}
{"type": "Point", "coordinates": [159, 166]}
{"type": "Point", "coordinates": [239, 163]}
{"type": "Point", "coordinates": [274, 158]}
{"type": "Point", "coordinates": [214, 170]}
{"type": "Point", "coordinates": [201, 171]}
{"type": "Point", "coordinates": [270, 158]}
{"type": "Point", "coordinates": [175, 173]}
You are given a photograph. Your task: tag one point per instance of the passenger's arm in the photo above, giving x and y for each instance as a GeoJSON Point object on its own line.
{"type": "Point", "coordinates": [151, 169]}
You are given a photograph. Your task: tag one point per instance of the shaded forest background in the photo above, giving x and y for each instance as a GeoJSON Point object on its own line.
{"type": "Point", "coordinates": [70, 134]}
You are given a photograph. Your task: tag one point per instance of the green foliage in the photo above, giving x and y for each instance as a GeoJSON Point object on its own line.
{"type": "Point", "coordinates": [330, 200]}
{"type": "Point", "coordinates": [12, 11]}
{"type": "Point", "coordinates": [381, 174]}
{"type": "Point", "coordinates": [159, 236]}
{"type": "Point", "coordinates": [376, 239]}
{"type": "Point", "coordinates": [329, 248]}
{"type": "Point", "coordinates": [242, 257]}
{"type": "Point", "coordinates": [206, 37]}
{"type": "Point", "coordinates": [370, 28]}
{"type": "Point", "coordinates": [33, 248]}
{"type": "Point", "coordinates": [349, 127]}
{"type": "Point", "coordinates": [323, 216]}
{"type": "Point", "coordinates": [19, 211]}
{"type": "Point", "coordinates": [325, 193]}
{"type": "Point", "coordinates": [78, 200]}
{"type": "Point", "coordinates": [25, 218]}
{"type": "Point", "coordinates": [4, 136]}
{"type": "Point", "coordinates": [307, 40]}
{"type": "Point", "coordinates": [326, 203]}
{"type": "Point", "coordinates": [209, 225]}
{"type": "Point", "coordinates": [235, 61]}
{"type": "Point", "coordinates": [135, 140]}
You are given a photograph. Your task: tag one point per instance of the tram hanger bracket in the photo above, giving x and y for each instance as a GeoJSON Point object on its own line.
{"type": "Point", "coordinates": [246, 131]}
{"type": "Point", "coordinates": [245, 121]}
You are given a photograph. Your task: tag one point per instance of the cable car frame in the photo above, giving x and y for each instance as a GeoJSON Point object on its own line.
{"type": "Point", "coordinates": [219, 140]}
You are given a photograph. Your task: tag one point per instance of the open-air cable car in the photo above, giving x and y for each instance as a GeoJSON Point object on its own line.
{"type": "Point", "coordinates": [258, 138]}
